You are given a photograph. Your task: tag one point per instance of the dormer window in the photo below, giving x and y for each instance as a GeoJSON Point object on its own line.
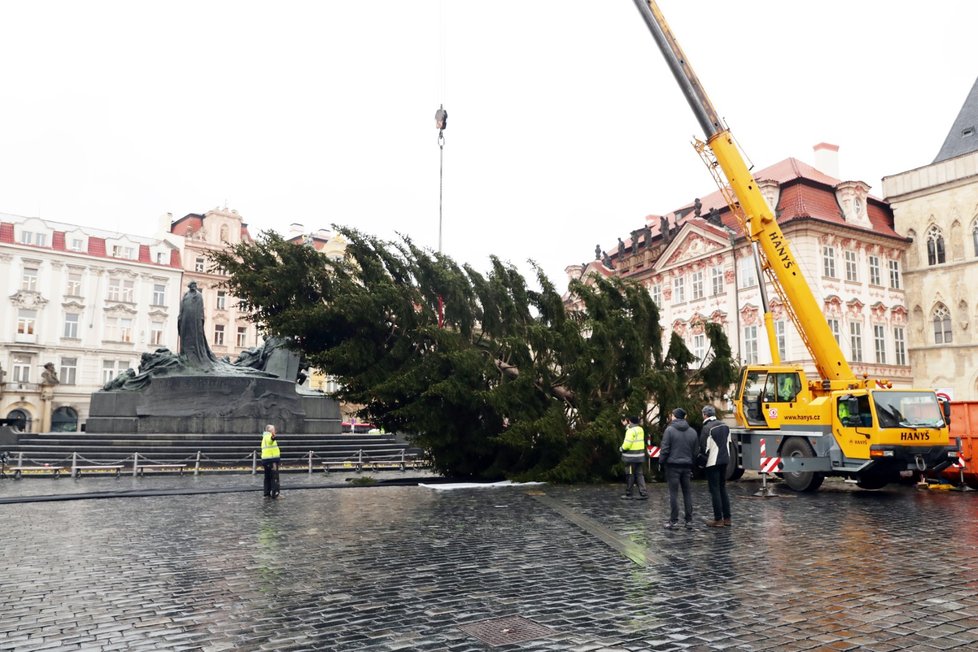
{"type": "Point", "coordinates": [122, 251]}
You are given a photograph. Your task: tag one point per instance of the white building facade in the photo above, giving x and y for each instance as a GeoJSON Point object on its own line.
{"type": "Point", "coordinates": [88, 301]}
{"type": "Point", "coordinates": [699, 268]}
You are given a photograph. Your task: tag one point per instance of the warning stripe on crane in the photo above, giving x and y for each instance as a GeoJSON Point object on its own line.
{"type": "Point", "coordinates": [959, 462]}
{"type": "Point", "coordinates": [653, 452]}
{"type": "Point", "coordinates": [768, 464]}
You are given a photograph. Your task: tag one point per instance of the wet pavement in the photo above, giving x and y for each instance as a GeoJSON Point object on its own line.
{"type": "Point", "coordinates": [413, 568]}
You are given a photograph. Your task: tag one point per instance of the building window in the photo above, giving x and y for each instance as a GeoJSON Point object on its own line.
{"type": "Point", "coordinates": [242, 339]}
{"type": "Point", "coordinates": [935, 246]}
{"type": "Point", "coordinates": [29, 280]}
{"type": "Point", "coordinates": [77, 244]}
{"type": "Point", "coordinates": [852, 272]}
{"type": "Point", "coordinates": [748, 273]}
{"type": "Point", "coordinates": [71, 326]}
{"type": "Point", "coordinates": [219, 335]}
{"type": "Point", "coordinates": [678, 289]}
{"type": "Point", "coordinates": [74, 284]}
{"type": "Point", "coordinates": [27, 237]}
{"type": "Point", "coordinates": [221, 299]}
{"type": "Point", "coordinates": [894, 274]}
{"type": "Point", "coordinates": [900, 344]}
{"type": "Point", "coordinates": [118, 329]}
{"type": "Point", "coordinates": [199, 264]}
{"type": "Point", "coordinates": [699, 346]}
{"type": "Point", "coordinates": [22, 368]}
{"type": "Point", "coordinates": [874, 270]}
{"type": "Point", "coordinates": [879, 340]}
{"type": "Point", "coordinates": [69, 368]}
{"type": "Point", "coordinates": [834, 327]}
{"type": "Point", "coordinates": [779, 336]}
{"type": "Point", "coordinates": [717, 280]}
{"type": "Point", "coordinates": [121, 251]}
{"type": "Point", "coordinates": [828, 261]}
{"type": "Point", "coordinates": [156, 333]}
{"type": "Point", "coordinates": [974, 237]}
{"type": "Point", "coordinates": [224, 233]}
{"type": "Point", "coordinates": [697, 285]}
{"type": "Point", "coordinates": [120, 290]}
{"type": "Point", "coordinates": [657, 295]}
{"type": "Point", "coordinates": [26, 320]}
{"type": "Point", "coordinates": [159, 294]}
{"type": "Point", "coordinates": [112, 368]}
{"type": "Point", "coordinates": [41, 239]}
{"type": "Point", "coordinates": [856, 340]}
{"type": "Point", "coordinates": [161, 258]}
{"type": "Point", "coordinates": [750, 345]}
{"type": "Point", "coordinates": [942, 325]}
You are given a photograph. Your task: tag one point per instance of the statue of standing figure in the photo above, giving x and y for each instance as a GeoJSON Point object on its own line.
{"type": "Point", "coordinates": [190, 326]}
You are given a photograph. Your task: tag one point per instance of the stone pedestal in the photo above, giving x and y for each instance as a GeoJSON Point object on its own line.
{"type": "Point", "coordinates": [212, 404]}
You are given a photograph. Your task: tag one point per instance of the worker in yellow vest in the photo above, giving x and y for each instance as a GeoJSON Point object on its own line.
{"type": "Point", "coordinates": [633, 456]}
{"type": "Point", "coordinates": [270, 456]}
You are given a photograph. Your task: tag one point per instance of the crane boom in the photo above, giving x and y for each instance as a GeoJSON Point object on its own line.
{"type": "Point", "coordinates": [760, 224]}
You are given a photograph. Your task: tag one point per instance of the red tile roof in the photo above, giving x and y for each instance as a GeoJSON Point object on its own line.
{"type": "Point", "coordinates": [58, 241]}
{"type": "Point", "coordinates": [806, 193]}
{"type": "Point", "coordinates": [96, 247]}
{"type": "Point", "coordinates": [6, 232]}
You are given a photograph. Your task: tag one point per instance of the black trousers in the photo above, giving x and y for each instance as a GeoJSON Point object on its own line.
{"type": "Point", "coordinates": [269, 465]}
{"type": "Point", "coordinates": [716, 478]}
{"type": "Point", "coordinates": [678, 477]}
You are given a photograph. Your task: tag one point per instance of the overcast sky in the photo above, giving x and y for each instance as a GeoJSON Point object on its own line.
{"type": "Point", "coordinates": [565, 127]}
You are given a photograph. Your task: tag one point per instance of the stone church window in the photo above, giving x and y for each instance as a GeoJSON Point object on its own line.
{"type": "Point", "coordinates": [974, 236]}
{"type": "Point", "coordinates": [935, 246]}
{"type": "Point", "coordinates": [942, 324]}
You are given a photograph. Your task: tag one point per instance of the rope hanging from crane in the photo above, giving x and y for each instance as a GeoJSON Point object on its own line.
{"type": "Point", "coordinates": [441, 121]}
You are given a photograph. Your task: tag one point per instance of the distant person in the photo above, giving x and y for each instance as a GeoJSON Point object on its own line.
{"type": "Point", "coordinates": [633, 455]}
{"type": "Point", "coordinates": [270, 457]}
{"type": "Point", "coordinates": [679, 447]}
{"type": "Point", "coordinates": [715, 440]}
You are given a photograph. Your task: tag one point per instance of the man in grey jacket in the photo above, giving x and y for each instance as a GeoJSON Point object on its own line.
{"type": "Point", "coordinates": [680, 445]}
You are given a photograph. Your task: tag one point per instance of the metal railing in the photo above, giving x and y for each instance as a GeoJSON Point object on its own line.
{"type": "Point", "coordinates": [138, 463]}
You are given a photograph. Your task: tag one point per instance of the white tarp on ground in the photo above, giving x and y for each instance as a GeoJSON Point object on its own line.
{"type": "Point", "coordinates": [477, 485]}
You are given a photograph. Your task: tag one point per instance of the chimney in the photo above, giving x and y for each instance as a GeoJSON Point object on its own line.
{"type": "Point", "coordinates": [827, 159]}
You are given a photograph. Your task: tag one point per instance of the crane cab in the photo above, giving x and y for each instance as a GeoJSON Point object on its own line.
{"type": "Point", "coordinates": [765, 392]}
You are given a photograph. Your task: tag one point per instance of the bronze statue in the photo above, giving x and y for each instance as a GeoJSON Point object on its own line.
{"type": "Point", "coordinates": [190, 326]}
{"type": "Point", "coordinates": [48, 377]}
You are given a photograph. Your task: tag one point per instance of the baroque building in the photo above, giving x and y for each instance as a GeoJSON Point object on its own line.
{"type": "Point", "coordinates": [698, 267]}
{"type": "Point", "coordinates": [228, 330]}
{"type": "Point", "coordinates": [936, 208]}
{"type": "Point", "coordinates": [88, 302]}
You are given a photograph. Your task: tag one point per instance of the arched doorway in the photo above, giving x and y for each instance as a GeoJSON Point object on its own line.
{"type": "Point", "coordinates": [19, 420]}
{"type": "Point", "coordinates": [64, 419]}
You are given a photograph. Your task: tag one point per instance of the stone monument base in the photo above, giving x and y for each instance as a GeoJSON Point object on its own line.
{"type": "Point", "coordinates": [212, 404]}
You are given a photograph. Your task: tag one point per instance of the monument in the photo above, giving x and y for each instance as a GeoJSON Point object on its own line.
{"type": "Point", "coordinates": [194, 392]}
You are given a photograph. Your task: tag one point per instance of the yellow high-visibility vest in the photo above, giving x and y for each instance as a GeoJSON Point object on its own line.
{"type": "Point", "coordinates": [634, 439]}
{"type": "Point", "coordinates": [269, 447]}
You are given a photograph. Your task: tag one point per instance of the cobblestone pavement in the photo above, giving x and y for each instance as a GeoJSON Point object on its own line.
{"type": "Point", "coordinates": [406, 568]}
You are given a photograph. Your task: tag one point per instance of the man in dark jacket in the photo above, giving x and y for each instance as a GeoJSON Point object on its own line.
{"type": "Point", "coordinates": [679, 448]}
{"type": "Point", "coordinates": [715, 440]}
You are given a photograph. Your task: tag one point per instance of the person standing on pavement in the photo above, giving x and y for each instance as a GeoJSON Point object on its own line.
{"type": "Point", "coordinates": [715, 440]}
{"type": "Point", "coordinates": [633, 455]}
{"type": "Point", "coordinates": [270, 456]}
{"type": "Point", "coordinates": [679, 448]}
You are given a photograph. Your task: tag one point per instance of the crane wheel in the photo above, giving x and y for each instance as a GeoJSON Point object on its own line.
{"type": "Point", "coordinates": [803, 480]}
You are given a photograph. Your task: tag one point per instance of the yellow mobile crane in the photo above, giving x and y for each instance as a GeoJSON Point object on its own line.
{"type": "Point", "coordinates": [838, 424]}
